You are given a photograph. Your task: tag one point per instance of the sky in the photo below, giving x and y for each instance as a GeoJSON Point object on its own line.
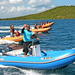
{"type": "Point", "coordinates": [15, 8]}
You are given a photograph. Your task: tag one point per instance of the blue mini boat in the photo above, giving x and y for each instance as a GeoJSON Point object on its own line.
{"type": "Point", "coordinates": [47, 60]}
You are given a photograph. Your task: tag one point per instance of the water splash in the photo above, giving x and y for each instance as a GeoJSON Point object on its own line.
{"type": "Point", "coordinates": [23, 71]}
{"type": "Point", "coordinates": [7, 42]}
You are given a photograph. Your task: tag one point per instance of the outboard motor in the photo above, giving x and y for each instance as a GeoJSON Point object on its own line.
{"type": "Point", "coordinates": [4, 49]}
{"type": "Point", "coordinates": [36, 48]}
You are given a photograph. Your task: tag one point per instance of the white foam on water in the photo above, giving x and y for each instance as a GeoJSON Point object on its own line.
{"type": "Point", "coordinates": [32, 72]}
{"type": "Point", "coordinates": [8, 27]}
{"type": "Point", "coordinates": [3, 31]}
{"type": "Point", "coordinates": [73, 62]}
{"type": "Point", "coordinates": [7, 31]}
{"type": "Point", "coordinates": [2, 66]}
{"type": "Point", "coordinates": [7, 42]}
{"type": "Point", "coordinates": [29, 72]}
{"type": "Point", "coordinates": [24, 71]}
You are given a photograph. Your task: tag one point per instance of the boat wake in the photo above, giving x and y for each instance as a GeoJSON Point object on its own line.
{"type": "Point", "coordinates": [21, 70]}
{"type": "Point", "coordinates": [11, 70]}
{"type": "Point", "coordinates": [7, 42]}
{"type": "Point", "coordinates": [8, 27]}
{"type": "Point", "coordinates": [1, 31]}
{"type": "Point", "coordinates": [7, 31]}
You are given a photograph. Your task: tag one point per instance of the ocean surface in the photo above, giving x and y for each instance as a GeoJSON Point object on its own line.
{"type": "Point", "coordinates": [60, 37]}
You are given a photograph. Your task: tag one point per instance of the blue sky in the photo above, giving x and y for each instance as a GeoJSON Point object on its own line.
{"type": "Point", "coordinates": [13, 8]}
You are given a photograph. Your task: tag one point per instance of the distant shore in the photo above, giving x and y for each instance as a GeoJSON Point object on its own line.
{"type": "Point", "coordinates": [62, 12]}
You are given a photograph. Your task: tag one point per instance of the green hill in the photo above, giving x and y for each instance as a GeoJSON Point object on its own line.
{"type": "Point", "coordinates": [62, 12]}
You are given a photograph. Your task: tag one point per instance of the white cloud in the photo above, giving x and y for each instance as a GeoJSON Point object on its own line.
{"type": "Point", "coordinates": [23, 7]}
{"type": "Point", "coordinates": [42, 9]}
{"type": "Point", "coordinates": [53, 6]}
{"type": "Point", "coordinates": [35, 3]}
{"type": "Point", "coordinates": [15, 1]}
{"type": "Point", "coordinates": [3, 2]}
{"type": "Point", "coordinates": [20, 9]}
{"type": "Point", "coordinates": [32, 1]}
{"type": "Point", "coordinates": [12, 9]}
{"type": "Point", "coordinates": [2, 7]}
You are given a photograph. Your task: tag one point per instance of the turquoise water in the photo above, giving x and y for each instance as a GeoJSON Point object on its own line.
{"type": "Point", "coordinates": [62, 36]}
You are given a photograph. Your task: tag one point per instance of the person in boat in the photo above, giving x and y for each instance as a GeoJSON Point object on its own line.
{"type": "Point", "coordinates": [38, 26]}
{"type": "Point", "coordinates": [35, 26]}
{"type": "Point", "coordinates": [12, 30]}
{"type": "Point", "coordinates": [28, 36]}
{"type": "Point", "coordinates": [17, 33]}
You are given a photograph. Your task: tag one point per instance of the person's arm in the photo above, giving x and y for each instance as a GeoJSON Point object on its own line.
{"type": "Point", "coordinates": [22, 30]}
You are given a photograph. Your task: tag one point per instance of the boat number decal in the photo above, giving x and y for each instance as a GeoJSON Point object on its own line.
{"type": "Point", "coordinates": [46, 58]}
{"type": "Point", "coordinates": [1, 59]}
